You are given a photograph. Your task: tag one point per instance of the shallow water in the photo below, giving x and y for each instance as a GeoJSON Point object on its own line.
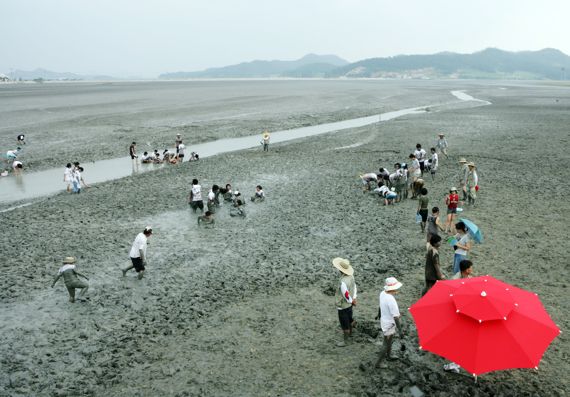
{"type": "Point", "coordinates": [43, 183]}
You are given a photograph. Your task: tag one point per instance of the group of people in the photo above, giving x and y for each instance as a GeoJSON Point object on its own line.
{"type": "Point", "coordinates": [392, 187]}
{"type": "Point", "coordinates": [11, 160]}
{"type": "Point", "coordinates": [167, 155]}
{"type": "Point", "coordinates": [73, 177]}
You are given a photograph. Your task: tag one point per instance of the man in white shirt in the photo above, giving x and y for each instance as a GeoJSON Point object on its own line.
{"type": "Point", "coordinates": [181, 151]}
{"type": "Point", "coordinates": [434, 163]}
{"type": "Point", "coordinates": [389, 315]}
{"type": "Point", "coordinates": [138, 253]}
{"type": "Point", "coordinates": [441, 144]}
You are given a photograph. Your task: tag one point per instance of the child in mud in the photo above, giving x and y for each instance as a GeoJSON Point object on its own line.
{"type": "Point", "coordinates": [194, 157]}
{"type": "Point", "coordinates": [423, 202]}
{"type": "Point", "coordinates": [452, 200]}
{"type": "Point", "coordinates": [213, 203]}
{"type": "Point", "coordinates": [415, 172]}
{"type": "Point", "coordinates": [68, 176]}
{"type": "Point", "coordinates": [385, 193]}
{"type": "Point", "coordinates": [237, 197]}
{"type": "Point", "coordinates": [157, 159]}
{"type": "Point", "coordinates": [207, 219]}
{"type": "Point", "coordinates": [21, 139]}
{"type": "Point", "coordinates": [138, 253]}
{"type": "Point", "coordinates": [259, 195]}
{"type": "Point", "coordinates": [237, 209]}
{"type": "Point", "coordinates": [71, 278]}
{"type": "Point", "coordinates": [227, 193]}
{"type": "Point", "coordinates": [465, 270]}
{"type": "Point", "coordinates": [345, 298]}
{"type": "Point", "coordinates": [389, 315]}
{"type": "Point", "coordinates": [195, 198]}
{"type": "Point", "coordinates": [433, 163]}
{"type": "Point", "coordinates": [147, 158]}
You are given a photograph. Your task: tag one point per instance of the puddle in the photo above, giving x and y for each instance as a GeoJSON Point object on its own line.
{"type": "Point", "coordinates": [43, 183]}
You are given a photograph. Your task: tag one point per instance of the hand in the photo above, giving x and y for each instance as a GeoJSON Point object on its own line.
{"type": "Point", "coordinates": [354, 302]}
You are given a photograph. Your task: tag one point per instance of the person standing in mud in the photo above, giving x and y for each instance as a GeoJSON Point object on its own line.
{"type": "Point", "coordinates": [213, 203]}
{"type": "Point", "coordinates": [345, 298]}
{"type": "Point", "coordinates": [133, 150]}
{"type": "Point", "coordinates": [389, 315]}
{"type": "Point", "coordinates": [71, 278]}
{"type": "Point", "coordinates": [421, 157]}
{"type": "Point", "coordinates": [463, 177]}
{"type": "Point", "coordinates": [441, 144]}
{"type": "Point", "coordinates": [195, 198]}
{"type": "Point", "coordinates": [471, 183]}
{"type": "Point", "coordinates": [177, 143]}
{"type": "Point", "coordinates": [432, 269]}
{"type": "Point", "coordinates": [415, 173]}
{"type": "Point", "coordinates": [138, 253]}
{"type": "Point", "coordinates": [265, 141]}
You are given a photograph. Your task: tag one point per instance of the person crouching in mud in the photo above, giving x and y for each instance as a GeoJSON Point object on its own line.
{"type": "Point", "coordinates": [71, 278]}
{"type": "Point", "coordinates": [207, 219]}
{"type": "Point", "coordinates": [345, 298]}
{"type": "Point", "coordinates": [259, 195]}
{"type": "Point", "coordinates": [237, 209]}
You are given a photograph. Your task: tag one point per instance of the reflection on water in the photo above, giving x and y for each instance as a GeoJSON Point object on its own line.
{"type": "Point", "coordinates": [42, 183]}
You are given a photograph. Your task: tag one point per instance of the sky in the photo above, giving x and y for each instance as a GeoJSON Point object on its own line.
{"type": "Point", "coordinates": [143, 38]}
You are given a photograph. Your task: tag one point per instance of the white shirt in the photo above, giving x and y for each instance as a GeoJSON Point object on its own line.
{"type": "Point", "coordinates": [196, 193]}
{"type": "Point", "coordinates": [463, 240]}
{"type": "Point", "coordinates": [211, 195]}
{"type": "Point", "coordinates": [12, 154]}
{"type": "Point", "coordinates": [388, 310]}
{"type": "Point", "coordinates": [15, 164]}
{"type": "Point", "coordinates": [415, 168]}
{"type": "Point", "coordinates": [67, 174]}
{"type": "Point", "coordinates": [420, 154]}
{"type": "Point", "coordinates": [346, 293]}
{"type": "Point", "coordinates": [434, 161]}
{"type": "Point", "coordinates": [181, 149]}
{"type": "Point", "coordinates": [370, 176]}
{"type": "Point", "coordinates": [382, 190]}
{"type": "Point", "coordinates": [138, 244]}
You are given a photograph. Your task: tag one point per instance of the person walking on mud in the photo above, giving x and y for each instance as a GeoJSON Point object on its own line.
{"type": "Point", "coordinates": [389, 315]}
{"type": "Point", "coordinates": [345, 298]}
{"type": "Point", "coordinates": [472, 183]}
{"type": "Point", "coordinates": [441, 144]}
{"type": "Point", "coordinates": [71, 278]}
{"type": "Point", "coordinates": [138, 253]}
{"type": "Point", "coordinates": [195, 199]}
{"type": "Point", "coordinates": [133, 151]}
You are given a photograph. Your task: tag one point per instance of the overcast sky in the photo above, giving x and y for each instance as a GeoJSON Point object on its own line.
{"type": "Point", "coordinates": [148, 37]}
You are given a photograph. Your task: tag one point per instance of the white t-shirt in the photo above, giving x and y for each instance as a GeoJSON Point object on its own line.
{"type": "Point", "coordinates": [388, 310]}
{"type": "Point", "coordinates": [138, 244]}
{"type": "Point", "coordinates": [196, 193]}
{"type": "Point", "coordinates": [15, 164]}
{"type": "Point", "coordinates": [181, 149]}
{"type": "Point", "coordinates": [382, 190]}
{"type": "Point", "coordinates": [211, 195]}
{"type": "Point", "coordinates": [67, 174]}
{"type": "Point", "coordinates": [434, 161]}
{"type": "Point", "coordinates": [463, 241]}
{"type": "Point", "coordinates": [420, 154]}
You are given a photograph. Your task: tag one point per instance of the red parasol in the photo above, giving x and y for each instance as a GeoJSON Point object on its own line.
{"type": "Point", "coordinates": [483, 324]}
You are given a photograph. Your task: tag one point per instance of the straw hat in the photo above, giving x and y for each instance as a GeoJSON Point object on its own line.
{"type": "Point", "coordinates": [453, 189]}
{"type": "Point", "coordinates": [462, 160]}
{"type": "Point", "coordinates": [266, 134]}
{"type": "Point", "coordinates": [441, 134]}
{"type": "Point", "coordinates": [392, 284]}
{"type": "Point", "coordinates": [471, 164]}
{"type": "Point", "coordinates": [69, 260]}
{"type": "Point", "coordinates": [343, 265]}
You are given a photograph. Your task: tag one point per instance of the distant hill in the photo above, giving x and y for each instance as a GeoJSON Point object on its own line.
{"type": "Point", "coordinates": [490, 63]}
{"type": "Point", "coordinates": [49, 75]}
{"type": "Point", "coordinates": [310, 65]}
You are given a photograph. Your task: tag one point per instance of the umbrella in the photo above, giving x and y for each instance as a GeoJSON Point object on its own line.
{"type": "Point", "coordinates": [473, 230]}
{"type": "Point", "coordinates": [483, 324]}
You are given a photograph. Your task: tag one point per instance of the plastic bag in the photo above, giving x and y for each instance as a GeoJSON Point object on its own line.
{"type": "Point", "coordinates": [418, 218]}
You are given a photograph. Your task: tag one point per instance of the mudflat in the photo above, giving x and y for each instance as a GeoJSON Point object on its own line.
{"type": "Point", "coordinates": [246, 307]}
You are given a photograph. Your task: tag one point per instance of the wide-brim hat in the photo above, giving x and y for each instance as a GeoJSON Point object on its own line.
{"type": "Point", "coordinates": [462, 160]}
{"type": "Point", "coordinates": [343, 265]}
{"type": "Point", "coordinates": [392, 284]}
{"type": "Point", "coordinates": [441, 134]}
{"type": "Point", "coordinates": [453, 189]}
{"type": "Point", "coordinates": [68, 260]}
{"type": "Point", "coordinates": [266, 134]}
{"type": "Point", "coordinates": [471, 164]}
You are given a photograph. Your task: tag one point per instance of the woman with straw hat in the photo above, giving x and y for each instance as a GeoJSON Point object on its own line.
{"type": "Point", "coordinates": [471, 183]}
{"type": "Point", "coordinates": [345, 298]}
{"type": "Point", "coordinates": [71, 278]}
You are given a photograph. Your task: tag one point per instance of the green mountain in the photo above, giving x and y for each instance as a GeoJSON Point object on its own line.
{"type": "Point", "coordinates": [310, 65]}
{"type": "Point", "coordinates": [490, 63]}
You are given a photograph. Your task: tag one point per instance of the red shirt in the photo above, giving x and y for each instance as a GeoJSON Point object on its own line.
{"type": "Point", "coordinates": [452, 201]}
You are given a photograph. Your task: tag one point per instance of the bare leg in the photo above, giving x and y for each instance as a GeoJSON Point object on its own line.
{"type": "Point", "coordinates": [126, 270]}
{"type": "Point", "coordinates": [71, 291]}
{"type": "Point", "coordinates": [386, 350]}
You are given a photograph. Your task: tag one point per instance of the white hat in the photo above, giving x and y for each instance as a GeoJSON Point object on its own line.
{"type": "Point", "coordinates": [343, 265]}
{"type": "Point", "coordinates": [392, 284]}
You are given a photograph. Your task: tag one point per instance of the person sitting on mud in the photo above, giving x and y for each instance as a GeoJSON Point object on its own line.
{"type": "Point", "coordinates": [207, 218]}
{"type": "Point", "coordinates": [194, 156]}
{"type": "Point", "coordinates": [227, 193]}
{"type": "Point", "coordinates": [71, 278]}
{"type": "Point", "coordinates": [367, 180]}
{"type": "Point", "coordinates": [238, 197]}
{"type": "Point", "coordinates": [156, 158]}
{"type": "Point", "coordinates": [237, 209]}
{"type": "Point", "coordinates": [259, 195]}
{"type": "Point", "coordinates": [147, 158]}
{"type": "Point", "coordinates": [465, 270]}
